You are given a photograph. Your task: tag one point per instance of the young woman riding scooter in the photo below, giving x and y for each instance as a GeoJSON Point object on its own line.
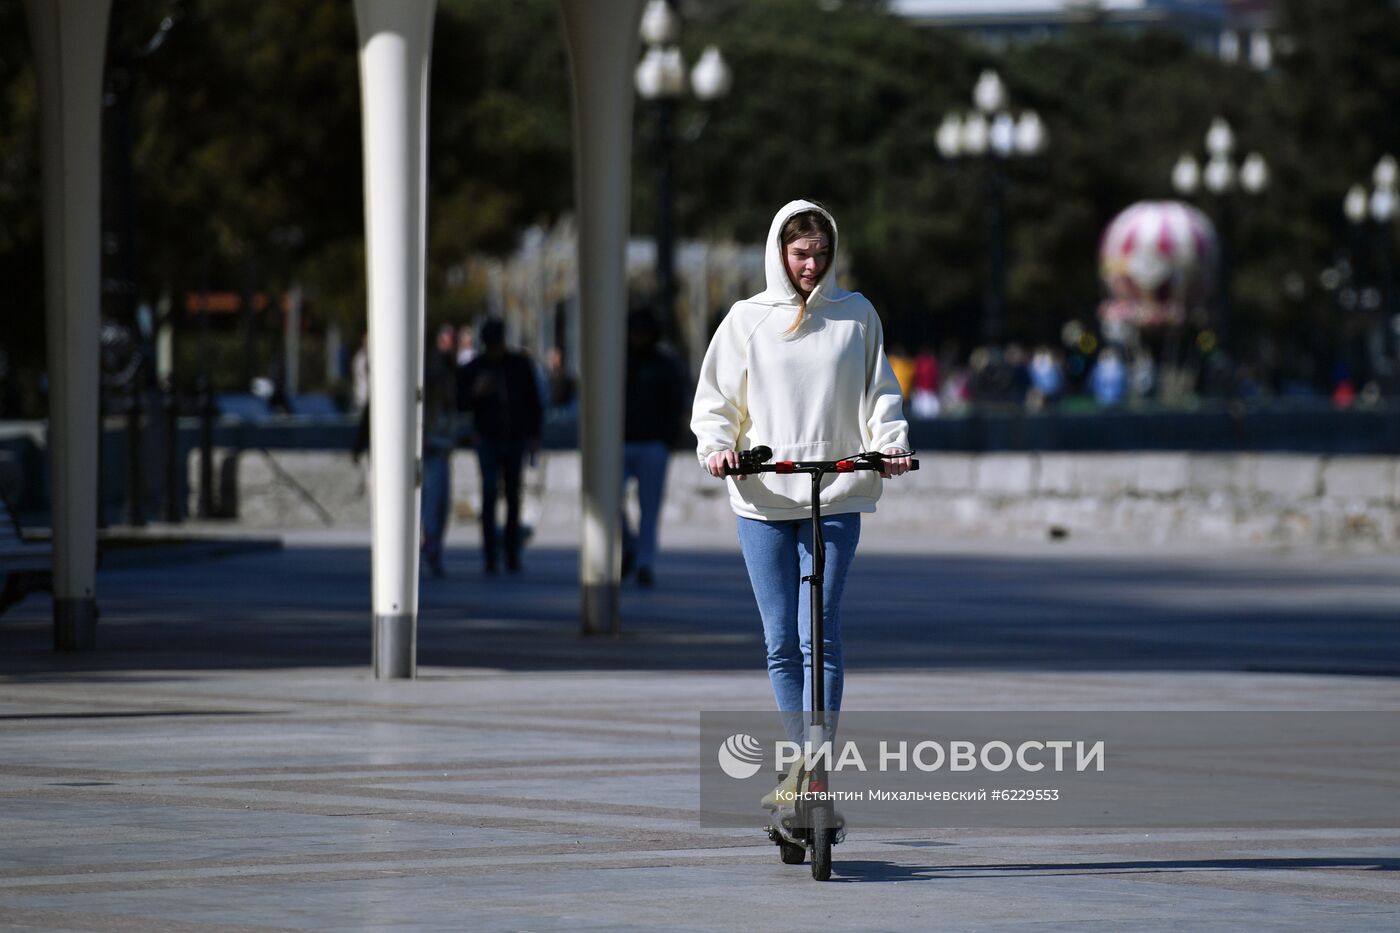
{"type": "Point", "coordinates": [799, 368]}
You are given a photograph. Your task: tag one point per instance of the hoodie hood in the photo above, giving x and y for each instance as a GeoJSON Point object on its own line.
{"type": "Point", "coordinates": [780, 290]}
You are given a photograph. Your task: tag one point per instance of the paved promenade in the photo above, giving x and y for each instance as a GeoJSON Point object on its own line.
{"type": "Point", "coordinates": [223, 762]}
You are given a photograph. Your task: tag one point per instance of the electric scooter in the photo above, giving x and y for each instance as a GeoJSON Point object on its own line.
{"type": "Point", "coordinates": [813, 822]}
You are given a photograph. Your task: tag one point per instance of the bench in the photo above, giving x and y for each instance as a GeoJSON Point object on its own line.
{"type": "Point", "coordinates": [25, 565]}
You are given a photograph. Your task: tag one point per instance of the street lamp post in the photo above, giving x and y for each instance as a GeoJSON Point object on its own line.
{"type": "Point", "coordinates": [1221, 177]}
{"type": "Point", "coordinates": [992, 134]}
{"type": "Point", "coordinates": [119, 280]}
{"type": "Point", "coordinates": [661, 79]}
{"type": "Point", "coordinates": [1380, 204]}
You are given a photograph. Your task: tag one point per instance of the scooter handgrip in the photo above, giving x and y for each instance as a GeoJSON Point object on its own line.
{"type": "Point", "coordinates": [913, 465]}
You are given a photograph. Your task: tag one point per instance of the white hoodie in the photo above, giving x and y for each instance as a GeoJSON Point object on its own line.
{"type": "Point", "coordinates": [822, 393]}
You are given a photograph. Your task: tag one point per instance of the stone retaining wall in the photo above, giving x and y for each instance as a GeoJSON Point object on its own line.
{"type": "Point", "coordinates": [1252, 499]}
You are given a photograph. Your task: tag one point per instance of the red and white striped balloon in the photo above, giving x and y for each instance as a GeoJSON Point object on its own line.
{"type": "Point", "coordinates": [1157, 259]}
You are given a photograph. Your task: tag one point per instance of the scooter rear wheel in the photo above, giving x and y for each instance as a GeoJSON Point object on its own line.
{"type": "Point", "coordinates": [792, 853]}
{"type": "Point", "coordinates": [821, 843]}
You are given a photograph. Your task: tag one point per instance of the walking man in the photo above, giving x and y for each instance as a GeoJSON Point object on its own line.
{"type": "Point", "coordinates": [499, 390]}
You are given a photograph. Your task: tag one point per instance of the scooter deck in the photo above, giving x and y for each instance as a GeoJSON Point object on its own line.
{"type": "Point", "coordinates": [793, 832]}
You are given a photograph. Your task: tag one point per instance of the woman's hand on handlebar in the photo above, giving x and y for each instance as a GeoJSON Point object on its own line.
{"type": "Point", "coordinates": [894, 463]}
{"type": "Point", "coordinates": [720, 459]}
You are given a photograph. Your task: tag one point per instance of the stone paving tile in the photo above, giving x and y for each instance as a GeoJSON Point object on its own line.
{"type": "Point", "coordinates": [521, 784]}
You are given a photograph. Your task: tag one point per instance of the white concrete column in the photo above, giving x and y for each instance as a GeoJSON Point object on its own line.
{"type": "Point", "coordinates": [69, 39]}
{"type": "Point", "coordinates": [395, 44]}
{"type": "Point", "coordinates": [603, 46]}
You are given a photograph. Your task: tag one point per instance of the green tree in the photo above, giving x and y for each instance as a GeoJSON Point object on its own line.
{"type": "Point", "coordinates": [21, 250]}
{"type": "Point", "coordinates": [247, 153]}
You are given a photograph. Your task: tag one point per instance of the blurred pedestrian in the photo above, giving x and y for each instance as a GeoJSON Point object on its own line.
{"type": "Point", "coordinates": [1109, 379]}
{"type": "Point", "coordinates": [656, 400]}
{"type": "Point", "coordinates": [1344, 394]}
{"type": "Point", "coordinates": [359, 371]}
{"type": "Point", "coordinates": [563, 389]}
{"type": "Point", "coordinates": [466, 345]}
{"type": "Point", "coordinates": [498, 387]}
{"type": "Point", "coordinates": [903, 365]}
{"type": "Point", "coordinates": [956, 394]}
{"type": "Point", "coordinates": [998, 376]}
{"type": "Point", "coordinates": [1017, 364]}
{"type": "Point", "coordinates": [439, 439]}
{"type": "Point", "coordinates": [1142, 374]}
{"type": "Point", "coordinates": [924, 402]}
{"type": "Point", "coordinates": [1047, 377]}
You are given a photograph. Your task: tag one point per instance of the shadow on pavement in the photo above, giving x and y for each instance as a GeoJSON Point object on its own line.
{"type": "Point", "coordinates": [875, 870]}
{"type": "Point", "coordinates": [310, 607]}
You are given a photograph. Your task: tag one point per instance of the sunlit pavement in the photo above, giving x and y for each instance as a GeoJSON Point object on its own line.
{"type": "Point", "coordinates": [225, 762]}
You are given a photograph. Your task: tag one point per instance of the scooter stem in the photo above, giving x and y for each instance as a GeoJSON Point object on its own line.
{"type": "Point", "coordinates": [816, 579]}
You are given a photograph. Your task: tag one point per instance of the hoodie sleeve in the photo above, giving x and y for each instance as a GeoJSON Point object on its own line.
{"type": "Point", "coordinates": [883, 406]}
{"type": "Point", "coordinates": [718, 410]}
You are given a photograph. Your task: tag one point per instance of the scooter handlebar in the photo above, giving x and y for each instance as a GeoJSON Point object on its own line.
{"type": "Point", "coordinates": [863, 461]}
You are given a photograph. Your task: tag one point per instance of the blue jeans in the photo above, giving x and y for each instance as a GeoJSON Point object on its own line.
{"type": "Point", "coordinates": [779, 555]}
{"type": "Point", "coordinates": [437, 495]}
{"type": "Point", "coordinates": [645, 460]}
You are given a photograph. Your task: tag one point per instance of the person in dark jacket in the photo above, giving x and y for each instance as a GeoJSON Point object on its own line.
{"type": "Point", "coordinates": [657, 402]}
{"type": "Point", "coordinates": [499, 390]}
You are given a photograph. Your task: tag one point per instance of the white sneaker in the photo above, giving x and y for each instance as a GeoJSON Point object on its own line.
{"type": "Point", "coordinates": [781, 797]}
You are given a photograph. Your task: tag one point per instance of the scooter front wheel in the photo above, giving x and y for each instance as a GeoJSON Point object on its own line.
{"type": "Point", "coordinates": [822, 822]}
